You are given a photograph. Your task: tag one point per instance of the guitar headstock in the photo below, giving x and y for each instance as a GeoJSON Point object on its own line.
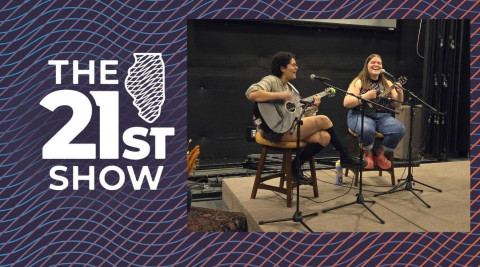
{"type": "Point", "coordinates": [330, 92]}
{"type": "Point", "coordinates": [402, 80]}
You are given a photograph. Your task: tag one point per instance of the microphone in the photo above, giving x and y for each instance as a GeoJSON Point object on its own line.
{"type": "Point", "coordinates": [322, 79]}
{"type": "Point", "coordinates": [384, 71]}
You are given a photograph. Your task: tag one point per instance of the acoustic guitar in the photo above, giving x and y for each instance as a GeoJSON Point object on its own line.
{"type": "Point", "coordinates": [280, 116]}
{"type": "Point", "coordinates": [371, 109]}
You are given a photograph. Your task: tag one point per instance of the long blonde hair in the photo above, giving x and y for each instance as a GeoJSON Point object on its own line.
{"type": "Point", "coordinates": [363, 74]}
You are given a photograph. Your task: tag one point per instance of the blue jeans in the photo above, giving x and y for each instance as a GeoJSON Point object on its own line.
{"type": "Point", "coordinates": [392, 129]}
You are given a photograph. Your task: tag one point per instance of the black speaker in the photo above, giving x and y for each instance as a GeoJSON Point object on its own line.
{"type": "Point", "coordinates": [401, 151]}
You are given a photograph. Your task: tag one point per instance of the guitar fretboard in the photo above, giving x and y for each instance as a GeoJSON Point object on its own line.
{"type": "Point", "coordinates": [321, 94]}
{"type": "Point", "coordinates": [402, 80]}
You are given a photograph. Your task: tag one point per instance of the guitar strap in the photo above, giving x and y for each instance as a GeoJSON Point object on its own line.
{"type": "Point", "coordinates": [293, 88]}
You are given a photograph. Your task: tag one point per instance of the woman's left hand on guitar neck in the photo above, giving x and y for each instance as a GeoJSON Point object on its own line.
{"type": "Point", "coordinates": [317, 102]}
{"type": "Point", "coordinates": [397, 94]}
{"type": "Point", "coordinates": [398, 88]}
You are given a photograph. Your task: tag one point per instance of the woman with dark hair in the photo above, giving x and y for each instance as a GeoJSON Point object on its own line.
{"type": "Point", "coordinates": [317, 130]}
{"type": "Point", "coordinates": [367, 84]}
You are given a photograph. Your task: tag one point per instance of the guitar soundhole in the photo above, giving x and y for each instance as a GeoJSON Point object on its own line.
{"type": "Point", "coordinates": [290, 106]}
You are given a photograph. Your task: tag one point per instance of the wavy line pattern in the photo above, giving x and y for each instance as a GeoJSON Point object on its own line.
{"type": "Point", "coordinates": [40, 226]}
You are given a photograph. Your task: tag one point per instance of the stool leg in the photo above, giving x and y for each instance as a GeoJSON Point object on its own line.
{"type": "Point", "coordinates": [354, 148]}
{"type": "Point", "coordinates": [392, 170]}
{"type": "Point", "coordinates": [261, 163]}
{"type": "Point", "coordinates": [282, 171]}
{"type": "Point", "coordinates": [287, 168]}
{"type": "Point", "coordinates": [313, 177]}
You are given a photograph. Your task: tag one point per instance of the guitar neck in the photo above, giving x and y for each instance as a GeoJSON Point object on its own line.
{"type": "Point", "coordinates": [401, 81]}
{"type": "Point", "coordinates": [386, 91]}
{"type": "Point", "coordinates": [321, 94]}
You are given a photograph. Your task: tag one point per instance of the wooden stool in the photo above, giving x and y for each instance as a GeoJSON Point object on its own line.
{"type": "Point", "coordinates": [353, 147]}
{"type": "Point", "coordinates": [285, 173]}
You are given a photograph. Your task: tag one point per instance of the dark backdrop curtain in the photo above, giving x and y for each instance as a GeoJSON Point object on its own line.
{"type": "Point", "coordinates": [227, 56]}
{"type": "Point", "coordinates": [446, 86]}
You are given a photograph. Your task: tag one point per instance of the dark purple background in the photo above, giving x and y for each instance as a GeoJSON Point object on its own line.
{"type": "Point", "coordinates": [40, 226]}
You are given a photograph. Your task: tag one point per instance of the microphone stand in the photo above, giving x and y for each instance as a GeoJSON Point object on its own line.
{"type": "Point", "coordinates": [297, 216]}
{"type": "Point", "coordinates": [409, 181]}
{"type": "Point", "coordinates": [360, 199]}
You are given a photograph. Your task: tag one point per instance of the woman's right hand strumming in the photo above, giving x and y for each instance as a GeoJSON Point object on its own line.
{"type": "Point", "coordinates": [372, 94]}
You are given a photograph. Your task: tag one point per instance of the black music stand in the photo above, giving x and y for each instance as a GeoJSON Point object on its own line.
{"type": "Point", "coordinates": [409, 181]}
{"type": "Point", "coordinates": [297, 216]}
{"type": "Point", "coordinates": [360, 199]}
